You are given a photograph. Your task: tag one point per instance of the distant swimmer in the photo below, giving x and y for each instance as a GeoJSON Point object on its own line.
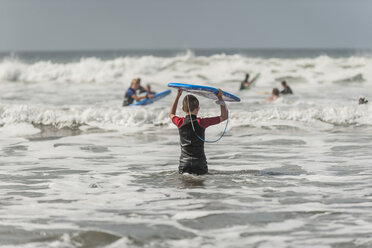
{"type": "Point", "coordinates": [287, 89]}
{"type": "Point", "coordinates": [246, 83]}
{"type": "Point", "coordinates": [363, 100]}
{"type": "Point", "coordinates": [192, 132]}
{"type": "Point", "coordinates": [140, 87]}
{"type": "Point", "coordinates": [274, 95]}
{"type": "Point", "coordinates": [130, 94]}
{"type": "Point", "coordinates": [148, 90]}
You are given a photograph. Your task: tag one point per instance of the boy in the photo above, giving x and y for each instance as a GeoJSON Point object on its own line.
{"type": "Point", "coordinates": [148, 90]}
{"type": "Point", "coordinates": [192, 159]}
{"type": "Point", "coordinates": [130, 94]}
{"type": "Point", "coordinates": [245, 84]}
{"type": "Point", "coordinates": [286, 89]}
{"type": "Point", "coordinates": [363, 100]}
{"type": "Point", "coordinates": [274, 95]}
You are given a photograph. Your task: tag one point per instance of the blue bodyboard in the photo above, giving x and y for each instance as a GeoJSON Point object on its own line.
{"type": "Point", "coordinates": [156, 97]}
{"type": "Point", "coordinates": [205, 91]}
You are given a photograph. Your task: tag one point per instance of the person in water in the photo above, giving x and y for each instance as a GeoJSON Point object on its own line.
{"type": "Point", "coordinates": [286, 89]}
{"type": "Point", "coordinates": [246, 83]}
{"type": "Point", "coordinates": [192, 159]}
{"type": "Point", "coordinates": [274, 95]}
{"type": "Point", "coordinates": [130, 94]}
{"type": "Point", "coordinates": [140, 87]}
{"type": "Point", "coordinates": [363, 100]}
{"type": "Point", "coordinates": [148, 90]}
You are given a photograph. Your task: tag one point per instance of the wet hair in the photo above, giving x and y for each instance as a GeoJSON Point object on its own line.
{"type": "Point", "coordinates": [284, 83]}
{"type": "Point", "coordinates": [276, 91]}
{"type": "Point", "coordinates": [134, 82]}
{"type": "Point", "coordinates": [246, 76]}
{"type": "Point", "coordinates": [192, 101]}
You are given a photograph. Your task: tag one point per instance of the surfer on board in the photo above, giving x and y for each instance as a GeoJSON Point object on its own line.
{"type": "Point", "coordinates": [130, 94]}
{"type": "Point", "coordinates": [246, 83]}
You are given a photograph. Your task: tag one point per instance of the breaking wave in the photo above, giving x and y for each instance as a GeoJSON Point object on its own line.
{"type": "Point", "coordinates": [118, 118]}
{"type": "Point", "coordinates": [216, 68]}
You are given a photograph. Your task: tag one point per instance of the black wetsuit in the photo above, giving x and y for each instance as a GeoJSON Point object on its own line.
{"type": "Point", "coordinates": [246, 81]}
{"type": "Point", "coordinates": [128, 99]}
{"type": "Point", "coordinates": [192, 159]}
{"type": "Point", "coordinates": [287, 90]}
{"type": "Point", "coordinates": [242, 86]}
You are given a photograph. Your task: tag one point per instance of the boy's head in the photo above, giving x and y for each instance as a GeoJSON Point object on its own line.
{"type": "Point", "coordinates": [284, 83]}
{"type": "Point", "coordinates": [135, 83]}
{"type": "Point", "coordinates": [192, 102]}
{"type": "Point", "coordinates": [275, 92]}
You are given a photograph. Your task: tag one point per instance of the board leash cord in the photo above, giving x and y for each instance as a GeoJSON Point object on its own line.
{"type": "Point", "coordinates": [193, 128]}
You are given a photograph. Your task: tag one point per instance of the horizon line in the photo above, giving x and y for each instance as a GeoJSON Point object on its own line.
{"type": "Point", "coordinates": [190, 49]}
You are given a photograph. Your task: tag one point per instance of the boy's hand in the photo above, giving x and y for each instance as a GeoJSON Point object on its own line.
{"type": "Point", "coordinates": [219, 95]}
{"type": "Point", "coordinates": [179, 92]}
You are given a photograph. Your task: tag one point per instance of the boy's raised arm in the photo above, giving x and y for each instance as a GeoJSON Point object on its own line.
{"type": "Point", "coordinates": [223, 115]}
{"type": "Point", "coordinates": [173, 109]}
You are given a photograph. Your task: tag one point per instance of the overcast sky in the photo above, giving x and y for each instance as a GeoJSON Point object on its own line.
{"type": "Point", "coordinates": [161, 24]}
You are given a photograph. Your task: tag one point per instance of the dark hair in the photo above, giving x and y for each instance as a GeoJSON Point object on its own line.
{"type": "Point", "coordinates": [192, 101]}
{"type": "Point", "coordinates": [276, 91]}
{"type": "Point", "coordinates": [246, 76]}
{"type": "Point", "coordinates": [284, 83]}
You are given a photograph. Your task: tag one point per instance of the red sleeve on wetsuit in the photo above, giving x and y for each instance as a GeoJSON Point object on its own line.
{"type": "Point", "coordinates": [177, 121]}
{"type": "Point", "coordinates": [206, 122]}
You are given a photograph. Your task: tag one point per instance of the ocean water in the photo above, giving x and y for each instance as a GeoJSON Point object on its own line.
{"type": "Point", "coordinates": [79, 170]}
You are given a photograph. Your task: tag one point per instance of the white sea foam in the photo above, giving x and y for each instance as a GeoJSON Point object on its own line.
{"type": "Point", "coordinates": [294, 172]}
{"type": "Point", "coordinates": [74, 117]}
{"type": "Point", "coordinates": [90, 91]}
{"type": "Point", "coordinates": [216, 68]}
{"type": "Point", "coordinates": [18, 129]}
{"type": "Point", "coordinates": [117, 118]}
